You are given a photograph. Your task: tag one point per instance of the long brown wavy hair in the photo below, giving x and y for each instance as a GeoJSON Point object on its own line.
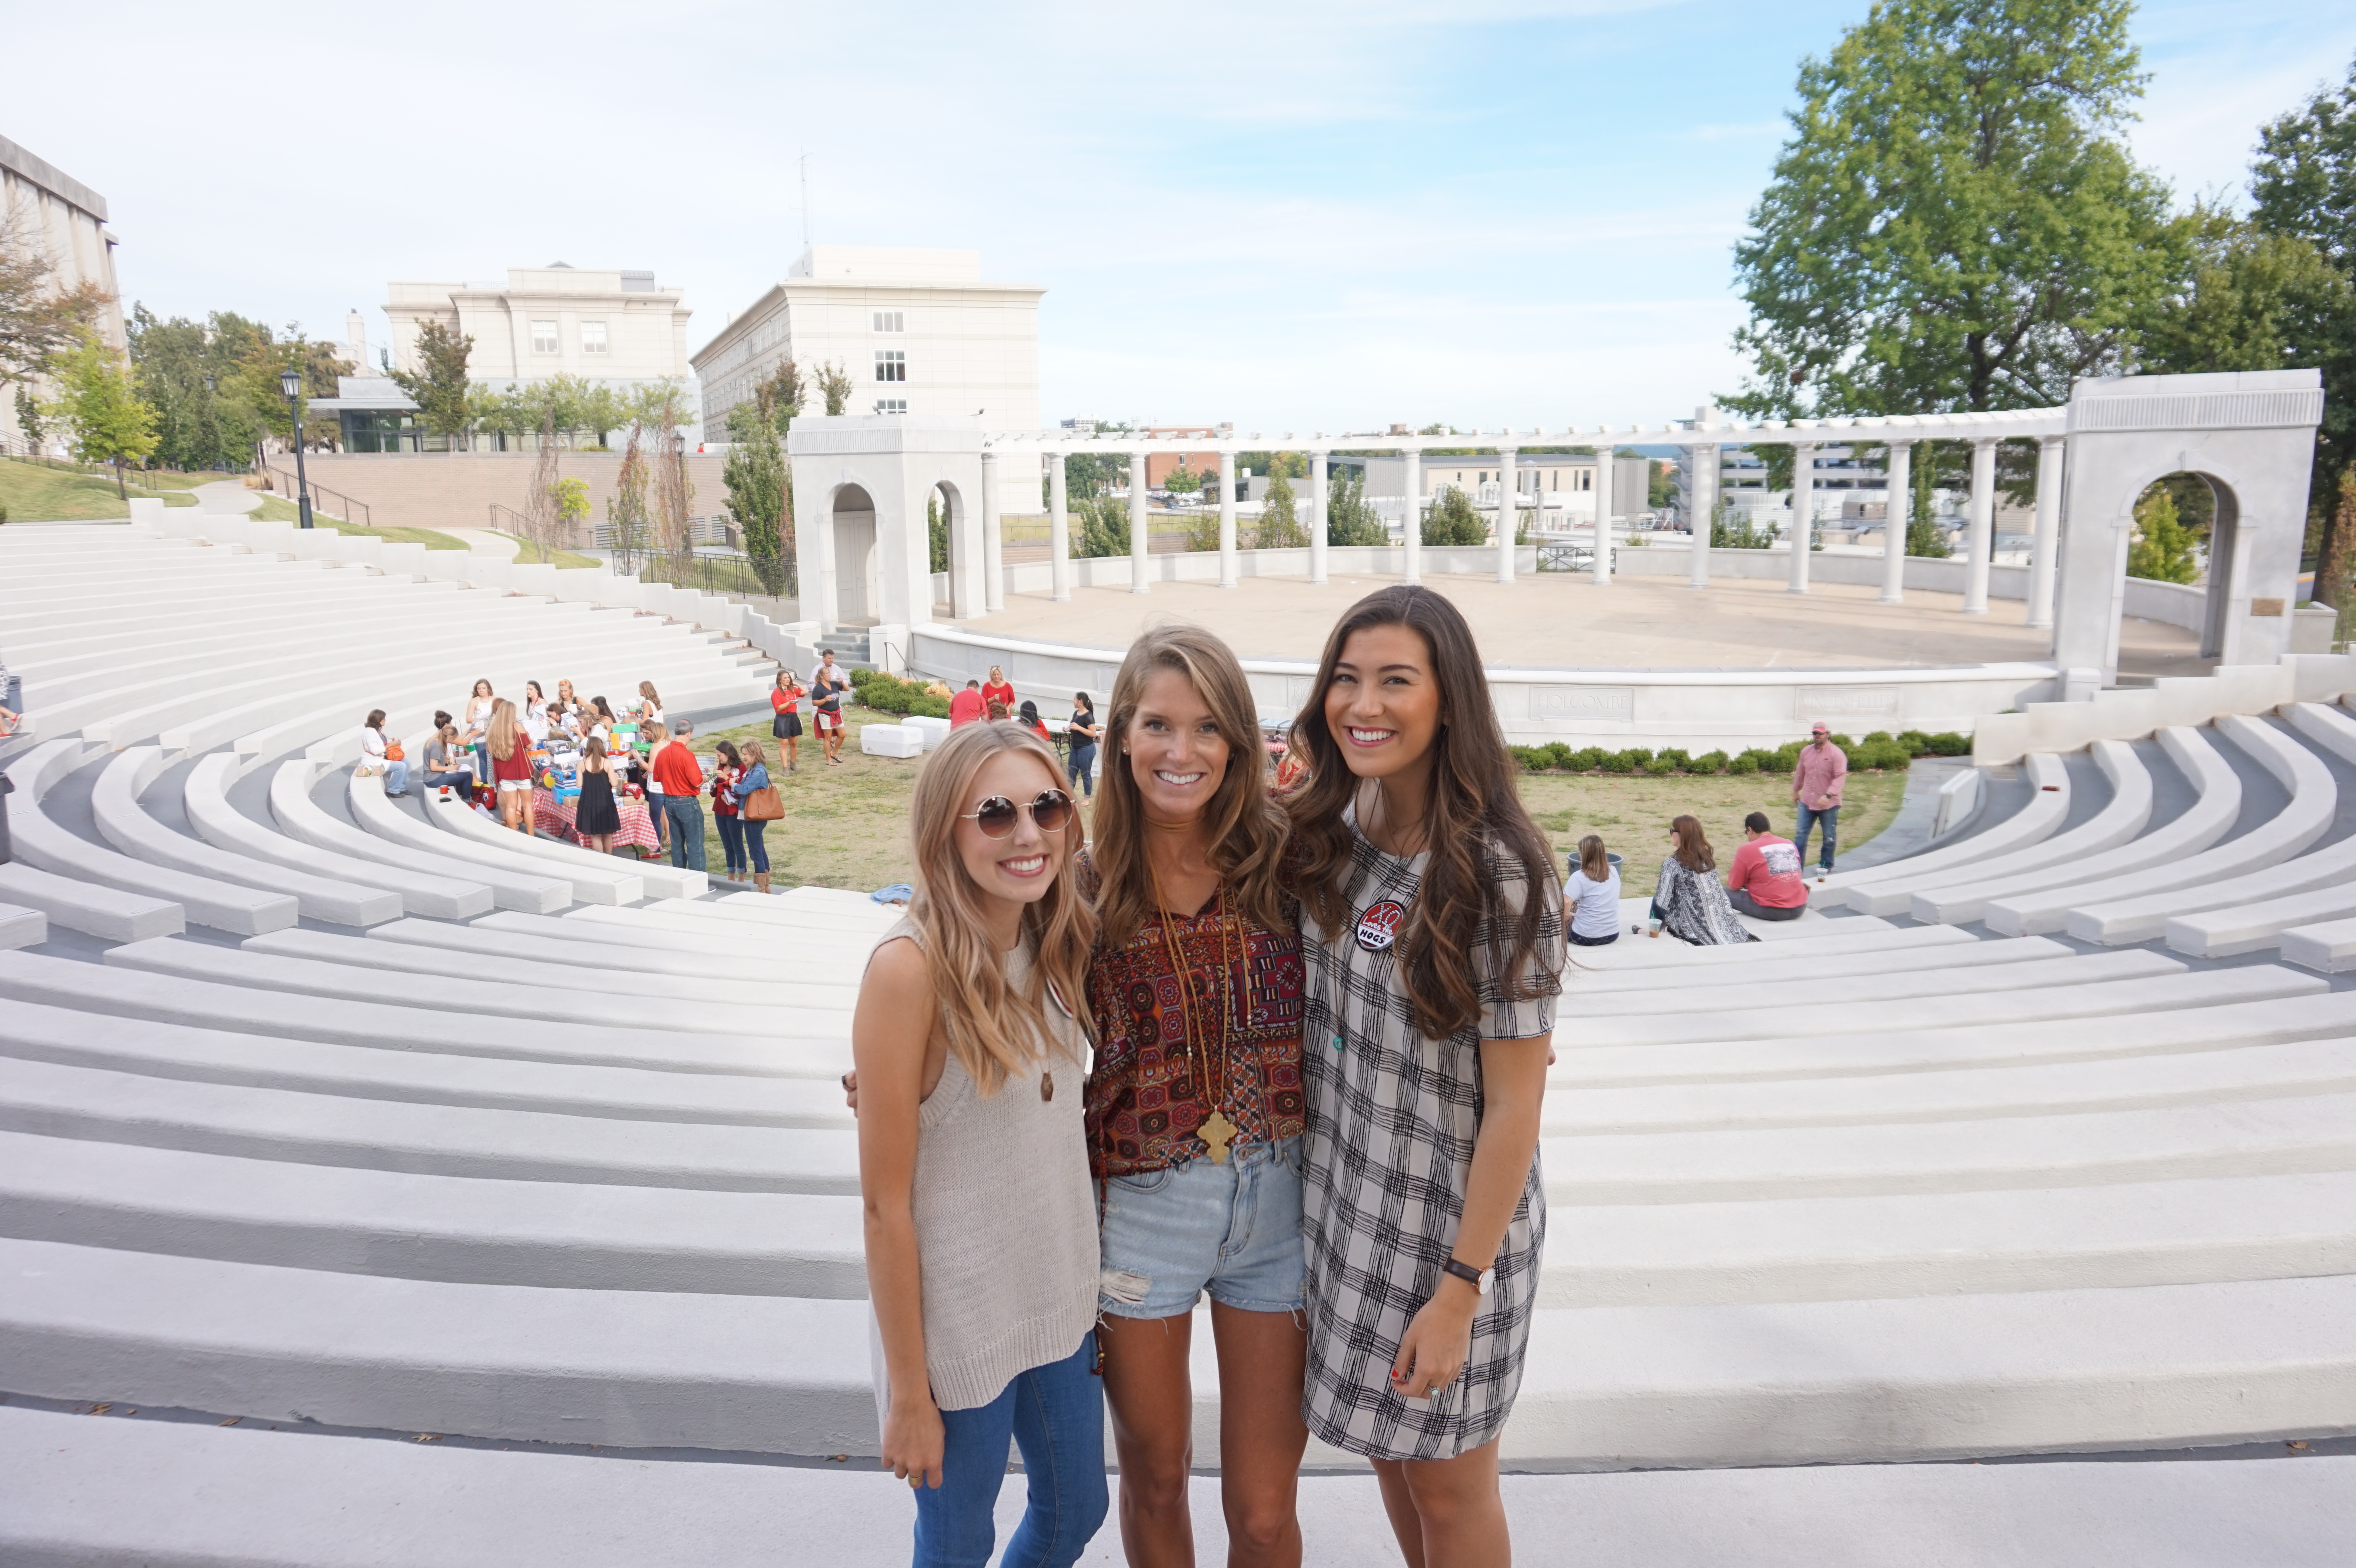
{"type": "Point", "coordinates": [1693, 851]}
{"type": "Point", "coordinates": [1247, 827]}
{"type": "Point", "coordinates": [993, 1031]}
{"type": "Point", "coordinates": [1474, 825]}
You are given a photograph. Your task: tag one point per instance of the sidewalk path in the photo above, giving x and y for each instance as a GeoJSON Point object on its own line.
{"type": "Point", "coordinates": [226, 496]}
{"type": "Point", "coordinates": [484, 542]}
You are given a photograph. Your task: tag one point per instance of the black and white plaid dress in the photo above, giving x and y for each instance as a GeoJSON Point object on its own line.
{"type": "Point", "coordinates": [1392, 1118]}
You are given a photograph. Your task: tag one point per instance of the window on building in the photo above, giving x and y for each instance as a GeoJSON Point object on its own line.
{"type": "Point", "coordinates": [891, 405]}
{"type": "Point", "coordinates": [544, 337]}
{"type": "Point", "coordinates": [891, 364]}
{"type": "Point", "coordinates": [890, 321]}
{"type": "Point", "coordinates": [592, 337]}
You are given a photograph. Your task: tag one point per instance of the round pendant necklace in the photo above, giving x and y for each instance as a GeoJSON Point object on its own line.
{"type": "Point", "coordinates": [1216, 1130]}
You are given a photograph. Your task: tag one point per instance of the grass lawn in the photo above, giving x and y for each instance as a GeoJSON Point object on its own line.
{"type": "Point", "coordinates": [34, 493]}
{"type": "Point", "coordinates": [276, 509]}
{"type": "Point", "coordinates": [848, 826]}
{"type": "Point", "coordinates": [530, 554]}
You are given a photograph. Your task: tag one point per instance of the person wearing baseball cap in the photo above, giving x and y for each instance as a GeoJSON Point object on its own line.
{"type": "Point", "coordinates": [1816, 794]}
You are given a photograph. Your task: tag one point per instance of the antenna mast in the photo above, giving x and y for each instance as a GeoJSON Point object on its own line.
{"type": "Point", "coordinates": [804, 162]}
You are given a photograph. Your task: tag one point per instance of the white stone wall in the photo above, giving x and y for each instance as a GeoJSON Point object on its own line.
{"type": "Point", "coordinates": [67, 220]}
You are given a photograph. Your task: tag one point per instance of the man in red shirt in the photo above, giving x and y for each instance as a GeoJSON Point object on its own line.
{"type": "Point", "coordinates": [1816, 791]}
{"type": "Point", "coordinates": [966, 708]}
{"type": "Point", "coordinates": [681, 777]}
{"type": "Point", "coordinates": [1764, 881]}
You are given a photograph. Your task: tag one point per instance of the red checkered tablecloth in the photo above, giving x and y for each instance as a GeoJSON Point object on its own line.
{"type": "Point", "coordinates": [638, 825]}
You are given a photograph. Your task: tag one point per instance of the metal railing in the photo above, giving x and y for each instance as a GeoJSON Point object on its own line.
{"type": "Point", "coordinates": [334, 502]}
{"type": "Point", "coordinates": [729, 576]}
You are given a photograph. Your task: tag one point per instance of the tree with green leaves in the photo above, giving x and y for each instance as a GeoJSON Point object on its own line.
{"type": "Point", "coordinates": [936, 533]}
{"type": "Point", "coordinates": [2161, 546]}
{"type": "Point", "coordinates": [1279, 525]}
{"type": "Point", "coordinates": [1350, 517]}
{"type": "Point", "coordinates": [99, 402]}
{"type": "Point", "coordinates": [29, 417]}
{"type": "Point", "coordinates": [626, 508]}
{"type": "Point", "coordinates": [834, 385]}
{"type": "Point", "coordinates": [40, 319]}
{"type": "Point", "coordinates": [440, 388]}
{"type": "Point", "coordinates": [1954, 223]}
{"type": "Point", "coordinates": [760, 486]}
{"type": "Point", "coordinates": [1452, 521]}
{"type": "Point", "coordinates": [1101, 526]}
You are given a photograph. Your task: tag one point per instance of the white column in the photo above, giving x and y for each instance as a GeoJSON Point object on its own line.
{"type": "Point", "coordinates": [1319, 463]}
{"type": "Point", "coordinates": [1603, 568]}
{"type": "Point", "coordinates": [993, 538]}
{"type": "Point", "coordinates": [1803, 511]}
{"type": "Point", "coordinates": [2042, 549]}
{"type": "Point", "coordinates": [1900, 511]}
{"type": "Point", "coordinates": [1137, 551]}
{"type": "Point", "coordinates": [1701, 500]}
{"type": "Point", "coordinates": [1059, 528]}
{"type": "Point", "coordinates": [1414, 535]}
{"type": "Point", "coordinates": [1508, 503]}
{"type": "Point", "coordinates": [1226, 518]}
{"type": "Point", "coordinates": [1982, 541]}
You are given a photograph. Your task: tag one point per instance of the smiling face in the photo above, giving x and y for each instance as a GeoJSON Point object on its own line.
{"type": "Point", "coordinates": [1020, 866]}
{"type": "Point", "coordinates": [1176, 754]}
{"type": "Point", "coordinates": [1383, 705]}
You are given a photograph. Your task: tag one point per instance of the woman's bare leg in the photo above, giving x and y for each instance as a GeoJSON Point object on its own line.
{"type": "Point", "coordinates": [1263, 1356]}
{"type": "Point", "coordinates": [1453, 1516]}
{"type": "Point", "coordinates": [1152, 1401]}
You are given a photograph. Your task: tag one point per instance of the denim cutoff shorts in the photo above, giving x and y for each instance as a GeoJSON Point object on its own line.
{"type": "Point", "coordinates": [1233, 1230]}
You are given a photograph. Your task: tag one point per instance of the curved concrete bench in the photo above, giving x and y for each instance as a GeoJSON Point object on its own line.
{"type": "Point", "coordinates": [216, 1004]}
{"type": "Point", "coordinates": [2028, 903]}
{"type": "Point", "coordinates": [595, 879]}
{"type": "Point", "coordinates": [22, 927]}
{"type": "Point", "coordinates": [523, 877]}
{"type": "Point", "coordinates": [43, 844]}
{"type": "Point", "coordinates": [631, 1367]}
{"type": "Point", "coordinates": [1962, 897]}
{"type": "Point", "coordinates": [1771, 997]}
{"type": "Point", "coordinates": [38, 1032]}
{"type": "Point", "coordinates": [459, 1230]}
{"type": "Point", "coordinates": [495, 998]}
{"type": "Point", "coordinates": [1874, 935]}
{"type": "Point", "coordinates": [2237, 1007]}
{"type": "Point", "coordinates": [660, 935]}
{"type": "Point", "coordinates": [300, 817]}
{"type": "Point", "coordinates": [1807, 965]}
{"type": "Point", "coordinates": [420, 891]}
{"type": "Point", "coordinates": [297, 1129]}
{"type": "Point", "coordinates": [836, 988]}
{"type": "Point", "coordinates": [815, 1006]}
{"type": "Point", "coordinates": [87, 906]}
{"type": "Point", "coordinates": [2328, 947]}
{"type": "Point", "coordinates": [676, 919]}
{"type": "Point", "coordinates": [114, 804]}
{"type": "Point", "coordinates": [2148, 990]}
{"type": "Point", "coordinates": [2039, 819]}
{"type": "Point", "coordinates": [2251, 913]}
{"type": "Point", "coordinates": [2137, 907]}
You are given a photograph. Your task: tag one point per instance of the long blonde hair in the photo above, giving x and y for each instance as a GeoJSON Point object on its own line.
{"type": "Point", "coordinates": [1246, 827]}
{"type": "Point", "coordinates": [502, 733]}
{"type": "Point", "coordinates": [992, 1032]}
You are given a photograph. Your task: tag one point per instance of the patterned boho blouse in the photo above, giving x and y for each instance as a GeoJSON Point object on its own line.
{"type": "Point", "coordinates": [1144, 1102]}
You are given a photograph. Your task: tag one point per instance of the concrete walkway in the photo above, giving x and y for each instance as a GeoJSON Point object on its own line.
{"type": "Point", "coordinates": [227, 496]}
{"type": "Point", "coordinates": [484, 542]}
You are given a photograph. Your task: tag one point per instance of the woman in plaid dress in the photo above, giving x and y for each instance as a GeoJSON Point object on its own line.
{"type": "Point", "coordinates": [1431, 929]}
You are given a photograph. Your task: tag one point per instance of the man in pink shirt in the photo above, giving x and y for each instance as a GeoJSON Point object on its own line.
{"type": "Point", "coordinates": [1816, 791]}
{"type": "Point", "coordinates": [1764, 882]}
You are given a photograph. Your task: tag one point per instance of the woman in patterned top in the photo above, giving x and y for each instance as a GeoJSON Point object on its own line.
{"type": "Point", "coordinates": [1194, 1106]}
{"type": "Point", "coordinates": [1431, 925]}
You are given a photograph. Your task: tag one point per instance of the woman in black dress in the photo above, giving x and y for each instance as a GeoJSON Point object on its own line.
{"type": "Point", "coordinates": [595, 819]}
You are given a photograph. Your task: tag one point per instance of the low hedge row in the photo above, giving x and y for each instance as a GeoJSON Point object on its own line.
{"type": "Point", "coordinates": [1879, 750]}
{"type": "Point", "coordinates": [890, 694]}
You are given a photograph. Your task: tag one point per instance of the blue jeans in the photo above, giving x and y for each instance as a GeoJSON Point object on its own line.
{"type": "Point", "coordinates": [459, 779]}
{"type": "Point", "coordinates": [396, 775]}
{"type": "Point", "coordinates": [1055, 1413]}
{"type": "Point", "coordinates": [753, 828]}
{"type": "Point", "coordinates": [732, 839]}
{"type": "Point", "coordinates": [1809, 818]}
{"type": "Point", "coordinates": [1084, 767]}
{"type": "Point", "coordinates": [1232, 1229]}
{"type": "Point", "coordinates": [686, 814]}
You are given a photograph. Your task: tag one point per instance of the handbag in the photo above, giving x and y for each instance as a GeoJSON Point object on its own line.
{"type": "Point", "coordinates": [393, 753]}
{"type": "Point", "coordinates": [764, 805]}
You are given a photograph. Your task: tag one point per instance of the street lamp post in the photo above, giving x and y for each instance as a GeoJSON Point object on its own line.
{"type": "Point", "coordinates": [291, 383]}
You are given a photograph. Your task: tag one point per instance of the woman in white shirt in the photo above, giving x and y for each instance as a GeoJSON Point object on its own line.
{"type": "Point", "coordinates": [536, 722]}
{"type": "Point", "coordinates": [1590, 897]}
{"type": "Point", "coordinates": [373, 746]}
{"type": "Point", "coordinates": [477, 732]}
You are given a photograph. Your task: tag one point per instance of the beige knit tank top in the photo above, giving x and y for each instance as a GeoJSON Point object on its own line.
{"type": "Point", "coordinates": [1006, 1219]}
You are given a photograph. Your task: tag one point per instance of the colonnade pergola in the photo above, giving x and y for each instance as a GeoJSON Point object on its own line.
{"type": "Point", "coordinates": [2250, 435]}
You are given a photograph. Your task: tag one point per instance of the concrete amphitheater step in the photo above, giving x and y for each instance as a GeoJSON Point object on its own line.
{"type": "Point", "coordinates": [686, 920]}
{"type": "Point", "coordinates": [2135, 988]}
{"type": "Point", "coordinates": [300, 817]}
{"type": "Point", "coordinates": [1808, 963]}
{"type": "Point", "coordinates": [519, 873]}
{"type": "Point", "coordinates": [656, 931]}
{"type": "Point", "coordinates": [2055, 967]}
{"type": "Point", "coordinates": [553, 1004]}
{"type": "Point", "coordinates": [2328, 947]}
{"type": "Point", "coordinates": [2039, 819]}
{"type": "Point", "coordinates": [624, 959]}
{"type": "Point", "coordinates": [86, 906]}
{"type": "Point", "coordinates": [1960, 895]}
{"type": "Point", "coordinates": [813, 1003]}
{"type": "Point", "coordinates": [596, 878]}
{"type": "Point", "coordinates": [1871, 935]}
{"type": "Point", "coordinates": [128, 826]}
{"type": "Point", "coordinates": [2237, 1008]}
{"type": "Point", "coordinates": [39, 1032]}
{"type": "Point", "coordinates": [303, 1129]}
{"type": "Point", "coordinates": [22, 927]}
{"type": "Point", "coordinates": [428, 1027]}
{"type": "Point", "coordinates": [457, 1229]}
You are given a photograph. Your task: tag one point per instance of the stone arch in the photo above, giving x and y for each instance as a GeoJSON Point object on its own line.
{"type": "Point", "coordinates": [954, 504]}
{"type": "Point", "coordinates": [2226, 572]}
{"type": "Point", "coordinates": [851, 526]}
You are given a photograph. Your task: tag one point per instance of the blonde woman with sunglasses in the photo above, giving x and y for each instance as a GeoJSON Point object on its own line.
{"type": "Point", "coordinates": [980, 1221]}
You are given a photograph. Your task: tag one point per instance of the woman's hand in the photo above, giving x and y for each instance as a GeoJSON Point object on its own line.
{"type": "Point", "coordinates": [1432, 1352]}
{"type": "Point", "coordinates": [913, 1440]}
{"type": "Point", "coordinates": [850, 1091]}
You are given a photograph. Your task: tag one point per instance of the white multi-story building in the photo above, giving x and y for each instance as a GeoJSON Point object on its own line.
{"type": "Point", "coordinates": [47, 208]}
{"type": "Point", "coordinates": [619, 328]}
{"type": "Point", "coordinates": [916, 332]}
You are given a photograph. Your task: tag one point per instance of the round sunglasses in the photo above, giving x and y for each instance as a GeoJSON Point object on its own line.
{"type": "Point", "coordinates": [1051, 809]}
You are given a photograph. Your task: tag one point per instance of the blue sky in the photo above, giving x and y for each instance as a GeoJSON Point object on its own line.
{"type": "Point", "coordinates": [1308, 215]}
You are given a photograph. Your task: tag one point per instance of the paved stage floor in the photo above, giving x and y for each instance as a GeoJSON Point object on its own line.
{"type": "Point", "coordinates": [1560, 620]}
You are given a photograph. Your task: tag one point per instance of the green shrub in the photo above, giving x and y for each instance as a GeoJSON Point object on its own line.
{"type": "Point", "coordinates": [1843, 741]}
{"type": "Point", "coordinates": [1675, 756]}
{"type": "Point", "coordinates": [1880, 735]}
{"type": "Point", "coordinates": [1557, 754]}
{"type": "Point", "coordinates": [1619, 762]}
{"type": "Point", "coordinates": [1787, 756]}
{"type": "Point", "coordinates": [1661, 765]}
{"type": "Point", "coordinates": [1533, 759]}
{"type": "Point", "coordinates": [1917, 743]}
{"type": "Point", "coordinates": [1743, 762]}
{"type": "Point", "coordinates": [1707, 763]}
{"type": "Point", "coordinates": [890, 694]}
{"type": "Point", "coordinates": [1880, 755]}
{"type": "Point", "coordinates": [1586, 760]}
{"type": "Point", "coordinates": [1949, 744]}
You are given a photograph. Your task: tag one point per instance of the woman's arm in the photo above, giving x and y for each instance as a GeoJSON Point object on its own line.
{"type": "Point", "coordinates": [889, 1033]}
{"type": "Point", "coordinates": [1432, 1352]}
